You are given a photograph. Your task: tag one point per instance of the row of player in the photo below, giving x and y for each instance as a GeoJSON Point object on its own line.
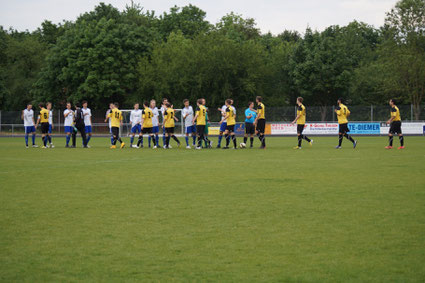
{"type": "Point", "coordinates": [195, 122]}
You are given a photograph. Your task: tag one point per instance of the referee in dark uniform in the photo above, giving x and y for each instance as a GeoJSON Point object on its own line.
{"type": "Point", "coordinates": [79, 124]}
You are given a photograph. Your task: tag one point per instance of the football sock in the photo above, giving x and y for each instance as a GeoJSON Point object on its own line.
{"type": "Point", "coordinates": [401, 140]}
{"type": "Point", "coordinates": [349, 138]}
{"type": "Point", "coordinates": [300, 140]}
{"type": "Point", "coordinates": [149, 141]}
{"type": "Point", "coordinates": [340, 140]}
{"type": "Point", "coordinates": [220, 137]}
{"type": "Point", "coordinates": [153, 139]}
{"type": "Point", "coordinates": [194, 139]}
{"type": "Point", "coordinates": [139, 141]}
{"type": "Point", "coordinates": [44, 141]}
{"type": "Point", "coordinates": [187, 140]}
{"type": "Point", "coordinates": [33, 139]}
{"type": "Point", "coordinates": [175, 138]}
{"type": "Point", "coordinates": [68, 138]}
{"type": "Point", "coordinates": [131, 140]}
{"type": "Point", "coordinates": [112, 140]}
{"type": "Point", "coordinates": [306, 138]}
{"type": "Point", "coordinates": [390, 139]}
{"type": "Point", "coordinates": [251, 139]}
{"type": "Point", "coordinates": [157, 139]}
{"type": "Point", "coordinates": [119, 139]}
{"type": "Point", "coordinates": [88, 139]}
{"type": "Point", "coordinates": [234, 141]}
{"type": "Point", "coordinates": [164, 139]}
{"type": "Point", "coordinates": [26, 140]}
{"type": "Point", "coordinates": [49, 138]}
{"type": "Point", "coordinates": [167, 141]}
{"type": "Point", "coordinates": [200, 140]}
{"type": "Point", "coordinates": [263, 140]}
{"type": "Point", "coordinates": [227, 140]}
{"type": "Point", "coordinates": [245, 139]}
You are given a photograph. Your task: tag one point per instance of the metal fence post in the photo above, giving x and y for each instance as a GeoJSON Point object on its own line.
{"type": "Point", "coordinates": [411, 112]}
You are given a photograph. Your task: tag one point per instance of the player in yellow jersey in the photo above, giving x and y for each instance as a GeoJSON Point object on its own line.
{"type": "Point", "coordinates": [147, 126]}
{"type": "Point", "coordinates": [169, 124]}
{"type": "Point", "coordinates": [395, 126]}
{"type": "Point", "coordinates": [116, 121]}
{"type": "Point", "coordinates": [230, 117]}
{"type": "Point", "coordinates": [342, 113]}
{"type": "Point", "coordinates": [260, 121]}
{"type": "Point", "coordinates": [43, 118]}
{"type": "Point", "coordinates": [300, 120]}
{"type": "Point", "coordinates": [200, 120]}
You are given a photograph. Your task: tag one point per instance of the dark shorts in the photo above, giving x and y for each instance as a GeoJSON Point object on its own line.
{"type": "Point", "coordinates": [249, 128]}
{"type": "Point", "coordinates": [395, 128]}
{"type": "Point", "coordinates": [343, 128]}
{"type": "Point", "coordinates": [169, 130]}
{"type": "Point", "coordinates": [261, 126]}
{"type": "Point", "coordinates": [115, 131]}
{"type": "Point", "coordinates": [300, 129]}
{"type": "Point", "coordinates": [230, 128]}
{"type": "Point", "coordinates": [200, 129]}
{"type": "Point", "coordinates": [147, 131]}
{"type": "Point", "coordinates": [44, 128]}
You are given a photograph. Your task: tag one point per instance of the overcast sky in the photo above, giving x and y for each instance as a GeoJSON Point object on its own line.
{"type": "Point", "coordinates": [270, 15]}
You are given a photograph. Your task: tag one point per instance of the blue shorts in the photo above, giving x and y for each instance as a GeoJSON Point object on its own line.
{"type": "Point", "coordinates": [136, 129]}
{"type": "Point", "coordinates": [50, 129]}
{"type": "Point", "coordinates": [223, 127]}
{"type": "Point", "coordinates": [87, 129]}
{"type": "Point", "coordinates": [69, 129]}
{"type": "Point", "coordinates": [191, 130]}
{"type": "Point", "coordinates": [29, 129]}
{"type": "Point", "coordinates": [155, 129]}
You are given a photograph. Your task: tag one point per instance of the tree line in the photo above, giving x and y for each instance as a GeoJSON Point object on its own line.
{"type": "Point", "coordinates": [132, 55]}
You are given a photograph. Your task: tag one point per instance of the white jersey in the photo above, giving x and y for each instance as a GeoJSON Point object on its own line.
{"type": "Point", "coordinates": [68, 119]}
{"type": "Point", "coordinates": [234, 110]}
{"type": "Point", "coordinates": [135, 117]}
{"type": "Point", "coordinates": [51, 117]}
{"type": "Point", "coordinates": [28, 118]}
{"type": "Point", "coordinates": [87, 116]}
{"type": "Point", "coordinates": [223, 112]}
{"type": "Point", "coordinates": [155, 120]}
{"type": "Point", "coordinates": [109, 119]}
{"type": "Point", "coordinates": [188, 121]}
{"type": "Point", "coordinates": [162, 112]}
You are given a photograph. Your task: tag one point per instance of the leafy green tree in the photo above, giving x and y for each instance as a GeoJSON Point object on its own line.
{"type": "Point", "coordinates": [238, 28]}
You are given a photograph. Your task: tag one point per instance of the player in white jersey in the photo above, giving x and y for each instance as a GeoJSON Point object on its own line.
{"type": "Point", "coordinates": [223, 125]}
{"type": "Point", "coordinates": [28, 117]}
{"type": "Point", "coordinates": [163, 108]}
{"type": "Point", "coordinates": [68, 114]}
{"type": "Point", "coordinates": [189, 126]}
{"type": "Point", "coordinates": [155, 122]}
{"type": "Point", "coordinates": [49, 133]}
{"type": "Point", "coordinates": [107, 119]}
{"type": "Point", "coordinates": [87, 121]}
{"type": "Point", "coordinates": [136, 124]}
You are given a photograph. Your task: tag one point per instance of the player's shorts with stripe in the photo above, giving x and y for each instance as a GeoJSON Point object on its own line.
{"type": "Point", "coordinates": [395, 128]}
{"type": "Point", "coordinates": [146, 130]}
{"type": "Point", "coordinates": [223, 126]}
{"type": "Point", "coordinates": [29, 129]}
{"type": "Point", "coordinates": [249, 128]}
{"type": "Point", "coordinates": [261, 126]}
{"type": "Point", "coordinates": [44, 128]}
{"type": "Point", "coordinates": [115, 131]}
{"type": "Point", "coordinates": [69, 129]}
{"type": "Point", "coordinates": [343, 128]}
{"type": "Point", "coordinates": [230, 128]}
{"type": "Point", "coordinates": [190, 129]}
{"type": "Point", "coordinates": [88, 129]}
{"type": "Point", "coordinates": [169, 130]}
{"type": "Point", "coordinates": [136, 129]}
{"type": "Point", "coordinates": [155, 129]}
{"type": "Point", "coordinates": [300, 128]}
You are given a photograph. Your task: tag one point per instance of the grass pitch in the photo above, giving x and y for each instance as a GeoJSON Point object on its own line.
{"type": "Point", "coordinates": [317, 214]}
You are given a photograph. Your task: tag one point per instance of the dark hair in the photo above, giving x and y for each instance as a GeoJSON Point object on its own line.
{"type": "Point", "coordinates": [111, 103]}
{"type": "Point", "coordinates": [228, 101]}
{"type": "Point", "coordinates": [300, 99]}
{"type": "Point", "coordinates": [168, 104]}
{"type": "Point", "coordinates": [116, 104]}
{"type": "Point", "coordinates": [77, 104]}
{"type": "Point", "coordinates": [68, 103]}
{"type": "Point", "coordinates": [84, 102]}
{"type": "Point", "coordinates": [41, 104]}
{"type": "Point", "coordinates": [185, 100]}
{"type": "Point", "coordinates": [249, 103]}
{"type": "Point", "coordinates": [259, 98]}
{"type": "Point", "coordinates": [341, 99]}
{"type": "Point", "coordinates": [145, 103]}
{"type": "Point", "coordinates": [199, 101]}
{"type": "Point", "coordinates": [164, 98]}
{"type": "Point", "coordinates": [47, 103]}
{"type": "Point", "coordinates": [393, 101]}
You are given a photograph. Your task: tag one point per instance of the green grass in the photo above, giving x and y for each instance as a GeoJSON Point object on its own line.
{"type": "Point", "coordinates": [317, 214]}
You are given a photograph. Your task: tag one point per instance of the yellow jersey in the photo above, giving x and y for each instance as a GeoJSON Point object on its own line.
{"type": "Point", "coordinates": [231, 119]}
{"type": "Point", "coordinates": [169, 118]}
{"type": "Point", "coordinates": [147, 115]}
{"type": "Point", "coordinates": [342, 113]}
{"type": "Point", "coordinates": [395, 112]}
{"type": "Point", "coordinates": [301, 113]}
{"type": "Point", "coordinates": [261, 111]}
{"type": "Point", "coordinates": [44, 115]}
{"type": "Point", "coordinates": [116, 117]}
{"type": "Point", "coordinates": [201, 111]}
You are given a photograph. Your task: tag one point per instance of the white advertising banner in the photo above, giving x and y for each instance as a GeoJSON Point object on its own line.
{"type": "Point", "coordinates": [406, 127]}
{"type": "Point", "coordinates": [310, 129]}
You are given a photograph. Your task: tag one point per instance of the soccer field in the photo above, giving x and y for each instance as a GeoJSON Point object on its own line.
{"type": "Point", "coordinates": [316, 214]}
